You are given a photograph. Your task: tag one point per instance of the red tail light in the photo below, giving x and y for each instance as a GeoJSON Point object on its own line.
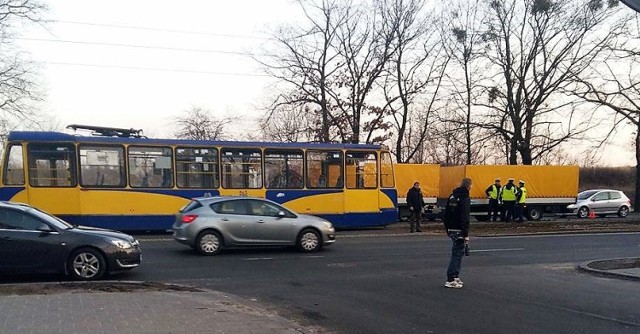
{"type": "Point", "coordinates": [186, 219]}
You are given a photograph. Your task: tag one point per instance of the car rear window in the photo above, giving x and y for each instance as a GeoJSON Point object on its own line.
{"type": "Point", "coordinates": [191, 206]}
{"type": "Point", "coordinates": [615, 195]}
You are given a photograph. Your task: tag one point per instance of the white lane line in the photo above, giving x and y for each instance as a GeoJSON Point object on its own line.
{"type": "Point", "coordinates": [496, 250]}
{"type": "Point", "coordinates": [257, 259]}
{"type": "Point", "coordinates": [551, 235]}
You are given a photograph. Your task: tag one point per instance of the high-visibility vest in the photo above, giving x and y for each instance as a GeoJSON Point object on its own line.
{"type": "Point", "coordinates": [523, 196]}
{"type": "Point", "coordinates": [509, 194]}
{"type": "Point", "coordinates": [493, 194]}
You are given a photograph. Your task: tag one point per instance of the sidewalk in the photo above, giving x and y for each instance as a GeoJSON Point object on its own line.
{"type": "Point", "coordinates": [80, 310]}
{"type": "Point", "coordinates": [627, 268]}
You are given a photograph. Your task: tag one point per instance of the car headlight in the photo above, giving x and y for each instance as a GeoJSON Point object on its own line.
{"type": "Point", "coordinates": [120, 243]}
{"type": "Point", "coordinates": [327, 225]}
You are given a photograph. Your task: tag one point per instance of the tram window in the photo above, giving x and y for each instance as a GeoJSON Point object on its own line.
{"type": "Point", "coordinates": [362, 170]}
{"type": "Point", "coordinates": [52, 165]}
{"type": "Point", "coordinates": [241, 168]}
{"type": "Point", "coordinates": [324, 169]}
{"type": "Point", "coordinates": [102, 166]}
{"type": "Point", "coordinates": [197, 167]}
{"type": "Point", "coordinates": [150, 167]}
{"type": "Point", "coordinates": [283, 169]}
{"type": "Point", "coordinates": [14, 166]}
{"type": "Point", "coordinates": [386, 171]}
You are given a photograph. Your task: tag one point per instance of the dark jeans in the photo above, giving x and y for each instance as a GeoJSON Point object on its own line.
{"type": "Point", "coordinates": [494, 209]}
{"type": "Point", "coordinates": [415, 220]}
{"type": "Point", "coordinates": [519, 212]}
{"type": "Point", "coordinates": [509, 208]}
{"type": "Point", "coordinates": [457, 251]}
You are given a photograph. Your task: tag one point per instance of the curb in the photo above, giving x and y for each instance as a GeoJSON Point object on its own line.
{"type": "Point", "coordinates": [587, 267]}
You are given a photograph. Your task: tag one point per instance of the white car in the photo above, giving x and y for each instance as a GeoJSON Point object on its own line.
{"type": "Point", "coordinates": [602, 202]}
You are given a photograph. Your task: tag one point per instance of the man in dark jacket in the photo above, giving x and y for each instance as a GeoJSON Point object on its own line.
{"type": "Point", "coordinates": [456, 222]}
{"type": "Point", "coordinates": [415, 202]}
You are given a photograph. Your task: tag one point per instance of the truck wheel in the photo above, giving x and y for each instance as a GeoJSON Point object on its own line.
{"type": "Point", "coordinates": [482, 218]}
{"type": "Point", "coordinates": [534, 213]}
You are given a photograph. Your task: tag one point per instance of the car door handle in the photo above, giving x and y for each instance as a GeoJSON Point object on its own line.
{"type": "Point", "coordinates": [224, 219]}
{"type": "Point", "coordinates": [260, 221]}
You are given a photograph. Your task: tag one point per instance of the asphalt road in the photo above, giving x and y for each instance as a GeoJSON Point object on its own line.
{"type": "Point", "coordinates": [393, 283]}
{"type": "Point", "coordinates": [369, 283]}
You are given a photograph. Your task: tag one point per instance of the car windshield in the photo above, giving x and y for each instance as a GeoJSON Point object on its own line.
{"type": "Point", "coordinates": [586, 194]}
{"type": "Point", "coordinates": [53, 220]}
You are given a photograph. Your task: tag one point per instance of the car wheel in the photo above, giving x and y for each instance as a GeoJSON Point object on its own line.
{"type": "Point", "coordinates": [309, 241]}
{"type": "Point", "coordinates": [583, 212]}
{"type": "Point", "coordinates": [86, 264]}
{"type": "Point", "coordinates": [209, 243]}
{"type": "Point", "coordinates": [623, 211]}
{"type": "Point", "coordinates": [534, 213]}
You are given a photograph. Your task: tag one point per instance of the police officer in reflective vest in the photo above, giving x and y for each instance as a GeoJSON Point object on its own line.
{"type": "Point", "coordinates": [521, 197]}
{"type": "Point", "coordinates": [509, 199]}
{"type": "Point", "coordinates": [493, 193]}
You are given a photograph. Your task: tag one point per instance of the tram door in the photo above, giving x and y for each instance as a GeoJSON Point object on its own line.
{"type": "Point", "coordinates": [361, 186]}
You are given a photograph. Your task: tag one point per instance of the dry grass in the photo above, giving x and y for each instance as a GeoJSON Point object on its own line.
{"type": "Point", "coordinates": [621, 178]}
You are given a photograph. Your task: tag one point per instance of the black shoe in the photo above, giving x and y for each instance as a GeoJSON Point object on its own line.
{"type": "Point", "coordinates": [418, 230]}
{"type": "Point", "coordinates": [412, 231]}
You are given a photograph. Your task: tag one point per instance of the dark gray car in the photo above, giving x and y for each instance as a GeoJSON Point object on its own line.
{"type": "Point", "coordinates": [34, 241]}
{"type": "Point", "coordinates": [210, 224]}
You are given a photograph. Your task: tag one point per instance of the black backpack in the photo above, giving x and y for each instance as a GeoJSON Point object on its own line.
{"type": "Point", "coordinates": [451, 210]}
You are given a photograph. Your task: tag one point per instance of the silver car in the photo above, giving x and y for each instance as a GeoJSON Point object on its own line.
{"type": "Point", "coordinates": [602, 202]}
{"type": "Point", "coordinates": [210, 224]}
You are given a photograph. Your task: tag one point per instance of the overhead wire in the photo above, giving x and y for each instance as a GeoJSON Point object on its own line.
{"type": "Point", "coordinates": [160, 29]}
{"type": "Point", "coordinates": [154, 69]}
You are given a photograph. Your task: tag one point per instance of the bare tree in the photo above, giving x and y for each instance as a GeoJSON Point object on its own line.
{"type": "Point", "coordinates": [18, 87]}
{"type": "Point", "coordinates": [199, 124]}
{"type": "Point", "coordinates": [305, 64]}
{"type": "Point", "coordinates": [414, 70]}
{"type": "Point", "coordinates": [365, 46]}
{"type": "Point", "coordinates": [463, 38]}
{"type": "Point", "coordinates": [538, 48]}
{"type": "Point", "coordinates": [289, 124]}
{"type": "Point", "coordinates": [614, 85]}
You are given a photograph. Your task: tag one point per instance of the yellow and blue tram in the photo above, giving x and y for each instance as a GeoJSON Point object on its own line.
{"type": "Point", "coordinates": [129, 182]}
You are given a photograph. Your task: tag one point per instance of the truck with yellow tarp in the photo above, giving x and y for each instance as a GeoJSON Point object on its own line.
{"type": "Point", "coordinates": [549, 188]}
{"type": "Point", "coordinates": [429, 177]}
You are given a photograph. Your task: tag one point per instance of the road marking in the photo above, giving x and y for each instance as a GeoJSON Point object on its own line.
{"type": "Point", "coordinates": [496, 250]}
{"type": "Point", "coordinates": [257, 259]}
{"type": "Point", "coordinates": [547, 235]}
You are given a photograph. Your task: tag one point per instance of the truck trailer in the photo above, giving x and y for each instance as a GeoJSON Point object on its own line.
{"type": "Point", "coordinates": [549, 188]}
{"type": "Point", "coordinates": [429, 177]}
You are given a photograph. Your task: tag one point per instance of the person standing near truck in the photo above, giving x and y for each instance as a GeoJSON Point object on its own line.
{"type": "Point", "coordinates": [521, 197]}
{"type": "Point", "coordinates": [456, 222]}
{"type": "Point", "coordinates": [415, 202]}
{"type": "Point", "coordinates": [509, 199]}
{"type": "Point", "coordinates": [493, 193]}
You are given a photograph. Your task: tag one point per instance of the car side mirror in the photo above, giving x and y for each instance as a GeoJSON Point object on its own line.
{"type": "Point", "coordinates": [593, 199]}
{"type": "Point", "coordinates": [282, 214]}
{"type": "Point", "coordinates": [45, 228]}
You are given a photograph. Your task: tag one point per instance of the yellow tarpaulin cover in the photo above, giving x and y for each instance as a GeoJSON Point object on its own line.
{"type": "Point", "coordinates": [540, 181]}
{"type": "Point", "coordinates": [427, 175]}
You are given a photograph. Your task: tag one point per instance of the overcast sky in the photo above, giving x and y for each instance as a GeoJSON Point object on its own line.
{"type": "Point", "coordinates": [139, 64]}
